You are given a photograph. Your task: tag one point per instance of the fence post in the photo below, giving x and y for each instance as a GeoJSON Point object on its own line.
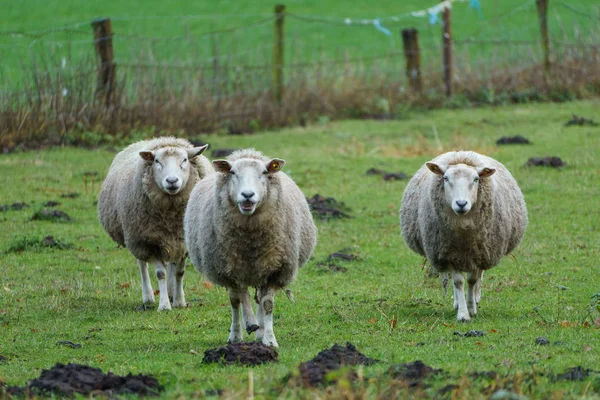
{"type": "Point", "coordinates": [105, 84]}
{"type": "Point", "coordinates": [278, 53]}
{"type": "Point", "coordinates": [542, 8]}
{"type": "Point", "coordinates": [447, 50]}
{"type": "Point", "coordinates": [410, 40]}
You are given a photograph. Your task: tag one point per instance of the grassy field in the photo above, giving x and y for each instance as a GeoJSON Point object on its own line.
{"type": "Point", "coordinates": [178, 27]}
{"type": "Point", "coordinates": [384, 303]}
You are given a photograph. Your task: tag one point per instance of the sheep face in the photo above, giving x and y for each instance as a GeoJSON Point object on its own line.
{"type": "Point", "coordinates": [461, 184]}
{"type": "Point", "coordinates": [171, 166]}
{"type": "Point", "coordinates": [248, 181]}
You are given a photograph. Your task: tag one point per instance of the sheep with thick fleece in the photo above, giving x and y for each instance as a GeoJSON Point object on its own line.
{"type": "Point", "coordinates": [141, 206]}
{"type": "Point", "coordinates": [463, 211]}
{"type": "Point", "coordinates": [249, 225]}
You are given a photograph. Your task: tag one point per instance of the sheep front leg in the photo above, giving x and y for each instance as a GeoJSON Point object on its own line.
{"type": "Point", "coordinates": [260, 332]}
{"type": "Point", "coordinates": [267, 303]}
{"type": "Point", "coordinates": [147, 292]}
{"type": "Point", "coordinates": [248, 318]}
{"type": "Point", "coordinates": [172, 268]}
{"type": "Point", "coordinates": [235, 332]}
{"type": "Point", "coordinates": [161, 274]}
{"type": "Point", "coordinates": [178, 295]}
{"type": "Point", "coordinates": [459, 297]}
{"type": "Point", "coordinates": [478, 287]}
{"type": "Point", "coordinates": [473, 279]}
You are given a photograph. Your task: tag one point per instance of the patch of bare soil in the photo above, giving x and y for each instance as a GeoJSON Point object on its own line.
{"type": "Point", "coordinates": [46, 214]}
{"type": "Point", "coordinates": [512, 140]}
{"type": "Point", "coordinates": [327, 208]}
{"type": "Point", "coordinates": [550, 161]}
{"type": "Point", "coordinates": [580, 121]}
{"type": "Point", "coordinates": [575, 374]}
{"type": "Point", "coordinates": [412, 373]}
{"type": "Point", "coordinates": [244, 353]}
{"type": "Point", "coordinates": [70, 379]}
{"type": "Point", "coordinates": [313, 372]}
{"type": "Point", "coordinates": [471, 333]}
{"type": "Point", "coordinates": [335, 261]}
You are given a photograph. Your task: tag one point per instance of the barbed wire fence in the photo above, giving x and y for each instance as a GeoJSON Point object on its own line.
{"type": "Point", "coordinates": [261, 70]}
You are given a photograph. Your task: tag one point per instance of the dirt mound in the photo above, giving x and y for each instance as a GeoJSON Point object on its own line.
{"type": "Point", "coordinates": [13, 207]}
{"type": "Point", "coordinates": [580, 121]}
{"type": "Point", "coordinates": [575, 374]}
{"type": "Point", "coordinates": [313, 372]}
{"type": "Point", "coordinates": [549, 161]}
{"type": "Point", "coordinates": [413, 373]}
{"type": "Point", "coordinates": [51, 203]}
{"type": "Point", "coordinates": [67, 380]}
{"type": "Point", "coordinates": [333, 260]}
{"type": "Point", "coordinates": [244, 353]}
{"type": "Point", "coordinates": [387, 176]}
{"type": "Point", "coordinates": [471, 333]}
{"type": "Point", "coordinates": [36, 244]}
{"type": "Point", "coordinates": [327, 208]}
{"type": "Point", "coordinates": [70, 195]}
{"type": "Point", "coordinates": [512, 140]}
{"type": "Point", "coordinates": [46, 214]}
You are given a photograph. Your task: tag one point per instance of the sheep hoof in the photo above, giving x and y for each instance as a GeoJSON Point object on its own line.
{"type": "Point", "coordinates": [272, 342]}
{"type": "Point", "coordinates": [252, 328]}
{"type": "Point", "coordinates": [463, 318]}
{"type": "Point", "coordinates": [166, 307]}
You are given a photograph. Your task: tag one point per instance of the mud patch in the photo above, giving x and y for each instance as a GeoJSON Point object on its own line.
{"type": "Point", "coordinates": [580, 121]}
{"type": "Point", "coordinates": [222, 153]}
{"type": "Point", "coordinates": [550, 161]}
{"type": "Point", "coordinates": [27, 244]}
{"type": "Point", "coordinates": [68, 343]}
{"type": "Point", "coordinates": [327, 208]}
{"type": "Point", "coordinates": [512, 140]}
{"type": "Point", "coordinates": [71, 195]}
{"type": "Point", "coordinates": [70, 379]}
{"type": "Point", "coordinates": [575, 374]}
{"type": "Point", "coordinates": [335, 261]}
{"type": "Point", "coordinates": [51, 203]}
{"type": "Point", "coordinates": [542, 341]}
{"type": "Point", "coordinates": [13, 207]}
{"type": "Point", "coordinates": [46, 214]}
{"type": "Point", "coordinates": [387, 176]}
{"type": "Point", "coordinates": [412, 373]}
{"type": "Point", "coordinates": [471, 333]}
{"type": "Point", "coordinates": [244, 353]}
{"type": "Point", "coordinates": [313, 372]}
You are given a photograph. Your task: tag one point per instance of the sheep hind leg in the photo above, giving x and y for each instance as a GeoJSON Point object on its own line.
{"type": "Point", "coordinates": [248, 318]}
{"type": "Point", "coordinates": [161, 274]}
{"type": "Point", "coordinates": [178, 294]}
{"type": "Point", "coordinates": [473, 279]}
{"type": "Point", "coordinates": [267, 303]}
{"type": "Point", "coordinates": [147, 292]}
{"type": "Point", "coordinates": [459, 295]}
{"type": "Point", "coordinates": [235, 332]}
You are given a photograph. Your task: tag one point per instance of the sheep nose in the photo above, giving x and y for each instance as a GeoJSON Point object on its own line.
{"type": "Point", "coordinates": [248, 194]}
{"type": "Point", "coordinates": [172, 180]}
{"type": "Point", "coordinates": [461, 203]}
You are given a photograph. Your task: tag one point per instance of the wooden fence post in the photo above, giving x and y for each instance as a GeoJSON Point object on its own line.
{"type": "Point", "coordinates": [105, 84]}
{"type": "Point", "coordinates": [410, 40]}
{"type": "Point", "coordinates": [542, 8]}
{"type": "Point", "coordinates": [278, 53]}
{"type": "Point", "coordinates": [447, 50]}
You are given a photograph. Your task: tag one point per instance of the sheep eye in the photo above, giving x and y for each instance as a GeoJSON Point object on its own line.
{"type": "Point", "coordinates": [446, 179]}
{"type": "Point", "coordinates": [265, 172]}
{"type": "Point", "coordinates": [231, 172]}
{"type": "Point", "coordinates": [476, 179]}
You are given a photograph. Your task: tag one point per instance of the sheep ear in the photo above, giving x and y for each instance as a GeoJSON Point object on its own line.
{"type": "Point", "coordinates": [222, 166]}
{"type": "Point", "coordinates": [436, 168]}
{"type": "Point", "coordinates": [147, 156]}
{"type": "Point", "coordinates": [275, 165]}
{"type": "Point", "coordinates": [484, 172]}
{"type": "Point", "coordinates": [196, 151]}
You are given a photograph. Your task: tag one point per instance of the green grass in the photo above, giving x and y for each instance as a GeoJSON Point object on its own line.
{"type": "Point", "coordinates": [306, 41]}
{"type": "Point", "coordinates": [89, 294]}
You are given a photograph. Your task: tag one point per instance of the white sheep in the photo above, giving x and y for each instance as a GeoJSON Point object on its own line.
{"type": "Point", "coordinates": [464, 212]}
{"type": "Point", "coordinates": [249, 225]}
{"type": "Point", "coordinates": [141, 207]}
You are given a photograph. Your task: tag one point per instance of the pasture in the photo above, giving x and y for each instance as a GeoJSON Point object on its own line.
{"type": "Point", "coordinates": [80, 287]}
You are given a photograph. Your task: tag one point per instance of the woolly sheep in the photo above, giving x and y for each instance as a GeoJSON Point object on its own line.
{"type": "Point", "coordinates": [464, 212]}
{"type": "Point", "coordinates": [249, 225]}
{"type": "Point", "coordinates": [141, 207]}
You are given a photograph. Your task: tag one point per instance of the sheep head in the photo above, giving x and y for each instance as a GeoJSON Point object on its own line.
{"type": "Point", "coordinates": [248, 181]}
{"type": "Point", "coordinates": [461, 184]}
{"type": "Point", "coordinates": [171, 166]}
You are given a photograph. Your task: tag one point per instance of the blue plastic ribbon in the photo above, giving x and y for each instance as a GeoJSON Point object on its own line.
{"type": "Point", "coordinates": [377, 24]}
{"type": "Point", "coordinates": [476, 5]}
{"type": "Point", "coordinates": [433, 18]}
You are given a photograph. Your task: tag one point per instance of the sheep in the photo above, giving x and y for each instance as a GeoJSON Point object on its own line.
{"type": "Point", "coordinates": [463, 211]}
{"type": "Point", "coordinates": [141, 206]}
{"type": "Point", "coordinates": [249, 225]}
